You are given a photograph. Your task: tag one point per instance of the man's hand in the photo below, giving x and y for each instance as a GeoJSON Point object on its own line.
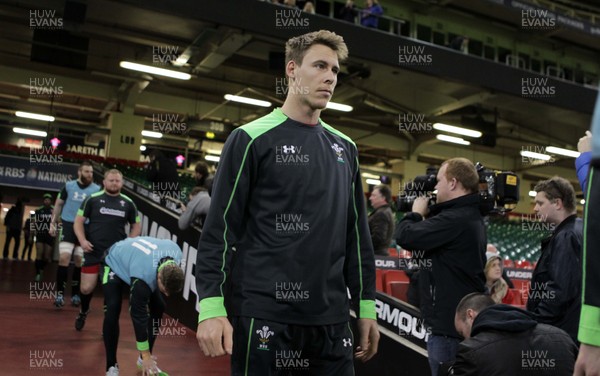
{"type": "Point", "coordinates": [87, 246]}
{"type": "Point", "coordinates": [588, 361]}
{"type": "Point", "coordinates": [585, 143]}
{"type": "Point", "coordinates": [369, 339]}
{"type": "Point", "coordinates": [215, 336]}
{"type": "Point", "coordinates": [53, 227]}
{"type": "Point", "coordinates": [421, 206]}
{"type": "Point", "coordinates": [149, 366]}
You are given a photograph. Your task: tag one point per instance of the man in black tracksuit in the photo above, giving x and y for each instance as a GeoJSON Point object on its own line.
{"type": "Point", "coordinates": [555, 291]}
{"type": "Point", "coordinates": [287, 227]}
{"type": "Point", "coordinates": [453, 239]}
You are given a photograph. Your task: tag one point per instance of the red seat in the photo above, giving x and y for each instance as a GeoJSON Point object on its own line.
{"type": "Point", "coordinates": [398, 290]}
{"type": "Point", "coordinates": [526, 264]}
{"type": "Point", "coordinates": [522, 287]}
{"type": "Point", "coordinates": [516, 297]}
{"type": "Point", "coordinates": [508, 263]}
{"type": "Point", "coordinates": [379, 279]}
{"type": "Point", "coordinates": [521, 284]}
{"type": "Point", "coordinates": [393, 276]}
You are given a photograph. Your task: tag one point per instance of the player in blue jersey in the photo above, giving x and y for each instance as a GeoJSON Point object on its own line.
{"type": "Point", "coordinates": [147, 267]}
{"type": "Point", "coordinates": [65, 210]}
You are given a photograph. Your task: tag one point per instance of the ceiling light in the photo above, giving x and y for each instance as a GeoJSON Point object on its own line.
{"type": "Point", "coordinates": [213, 158]}
{"type": "Point", "coordinates": [457, 130]}
{"type": "Point", "coordinates": [561, 151]}
{"type": "Point", "coordinates": [152, 134]}
{"type": "Point", "coordinates": [30, 132]}
{"type": "Point", "coordinates": [454, 140]}
{"type": "Point", "coordinates": [31, 115]}
{"type": "Point", "coordinates": [142, 147]}
{"type": "Point", "coordinates": [246, 100]}
{"type": "Point", "coordinates": [339, 107]}
{"type": "Point", "coordinates": [534, 155]}
{"type": "Point", "coordinates": [532, 193]}
{"type": "Point", "coordinates": [373, 181]}
{"type": "Point", "coordinates": [154, 70]}
{"type": "Point", "coordinates": [367, 175]}
{"type": "Point", "coordinates": [582, 202]}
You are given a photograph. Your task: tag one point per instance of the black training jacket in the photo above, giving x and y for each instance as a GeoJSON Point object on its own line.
{"type": "Point", "coordinates": [287, 225]}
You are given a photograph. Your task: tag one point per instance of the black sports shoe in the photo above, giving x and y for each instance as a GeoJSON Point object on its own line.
{"type": "Point", "coordinates": [80, 320]}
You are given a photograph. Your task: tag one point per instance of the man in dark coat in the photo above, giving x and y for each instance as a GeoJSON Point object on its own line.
{"type": "Point", "coordinates": [503, 340]}
{"type": "Point", "coordinates": [381, 220]}
{"type": "Point", "coordinates": [555, 293]}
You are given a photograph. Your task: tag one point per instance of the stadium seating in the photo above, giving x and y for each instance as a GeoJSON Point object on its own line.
{"type": "Point", "coordinates": [399, 290]}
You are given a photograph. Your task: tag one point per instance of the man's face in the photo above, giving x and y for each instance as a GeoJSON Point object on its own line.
{"type": "Point", "coordinates": [47, 202]}
{"type": "Point", "coordinates": [315, 80]}
{"type": "Point", "coordinates": [463, 327]}
{"type": "Point", "coordinates": [376, 198]}
{"type": "Point", "coordinates": [443, 186]}
{"type": "Point", "coordinates": [86, 173]}
{"type": "Point", "coordinates": [545, 209]}
{"type": "Point", "coordinates": [113, 183]}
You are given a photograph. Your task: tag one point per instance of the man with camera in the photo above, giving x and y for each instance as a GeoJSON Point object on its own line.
{"type": "Point", "coordinates": [452, 235]}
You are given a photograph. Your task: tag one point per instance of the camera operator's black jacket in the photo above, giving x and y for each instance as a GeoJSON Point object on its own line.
{"type": "Point", "coordinates": [555, 293]}
{"type": "Point", "coordinates": [454, 240]}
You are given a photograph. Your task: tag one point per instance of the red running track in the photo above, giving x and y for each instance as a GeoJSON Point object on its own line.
{"type": "Point", "coordinates": [38, 339]}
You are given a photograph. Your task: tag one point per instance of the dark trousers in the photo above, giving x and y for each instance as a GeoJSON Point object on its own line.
{"type": "Point", "coordinates": [113, 288]}
{"type": "Point", "coordinates": [263, 348]}
{"type": "Point", "coordinates": [10, 234]}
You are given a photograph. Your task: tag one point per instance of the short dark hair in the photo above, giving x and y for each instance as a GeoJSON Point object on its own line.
{"type": "Point", "coordinates": [296, 47]}
{"type": "Point", "coordinates": [385, 191]}
{"type": "Point", "coordinates": [202, 169]}
{"type": "Point", "coordinates": [476, 301]}
{"type": "Point", "coordinates": [464, 171]}
{"type": "Point", "coordinates": [172, 278]}
{"type": "Point", "coordinates": [557, 187]}
{"type": "Point", "coordinates": [85, 163]}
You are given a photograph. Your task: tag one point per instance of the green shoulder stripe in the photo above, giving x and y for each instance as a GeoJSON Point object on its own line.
{"type": "Point", "coordinates": [260, 126]}
{"type": "Point", "coordinates": [127, 198]}
{"type": "Point", "coordinates": [336, 132]}
{"type": "Point", "coordinates": [81, 210]}
{"type": "Point", "coordinates": [97, 193]}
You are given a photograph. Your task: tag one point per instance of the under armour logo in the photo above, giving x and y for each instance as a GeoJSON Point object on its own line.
{"type": "Point", "coordinates": [289, 149]}
{"type": "Point", "coordinates": [347, 342]}
{"type": "Point", "coordinates": [77, 196]}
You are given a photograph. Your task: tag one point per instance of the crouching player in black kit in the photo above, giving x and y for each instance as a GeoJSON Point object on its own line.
{"type": "Point", "coordinates": [148, 266]}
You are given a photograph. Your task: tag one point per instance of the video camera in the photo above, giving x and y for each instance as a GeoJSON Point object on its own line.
{"type": "Point", "coordinates": [422, 185]}
{"type": "Point", "coordinates": [498, 190]}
